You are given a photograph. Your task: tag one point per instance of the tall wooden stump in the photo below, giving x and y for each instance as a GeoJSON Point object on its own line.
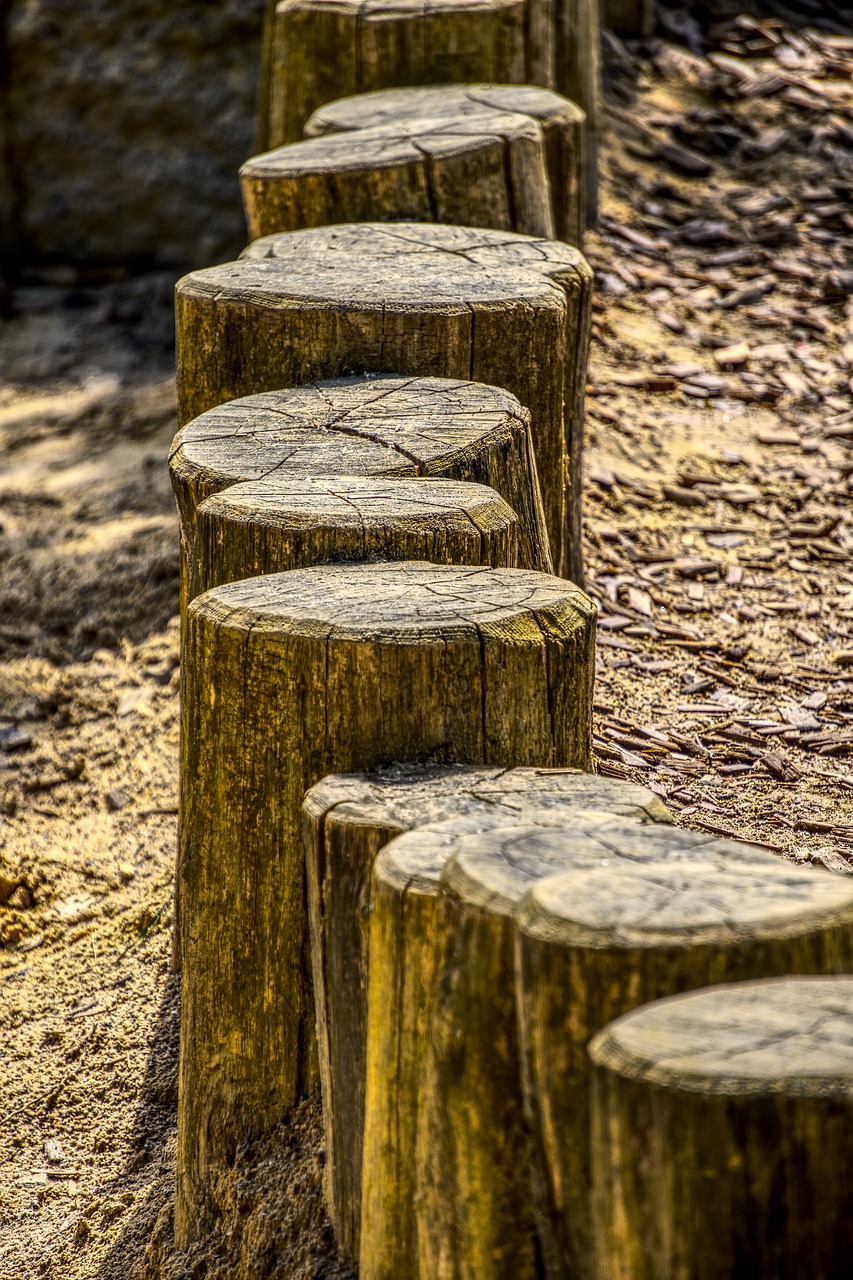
{"type": "Point", "coordinates": [722, 1126]}
{"type": "Point", "coordinates": [415, 298]}
{"type": "Point", "coordinates": [597, 942]}
{"type": "Point", "coordinates": [288, 677]}
{"type": "Point", "coordinates": [486, 170]}
{"type": "Point", "coordinates": [577, 75]}
{"type": "Point", "coordinates": [386, 426]}
{"type": "Point", "coordinates": [484, 1198]}
{"type": "Point", "coordinates": [346, 821]}
{"type": "Point", "coordinates": [562, 123]}
{"type": "Point", "coordinates": [321, 51]}
{"type": "Point", "coordinates": [269, 526]}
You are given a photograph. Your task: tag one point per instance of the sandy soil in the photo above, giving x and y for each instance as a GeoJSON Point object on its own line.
{"type": "Point", "coordinates": [718, 544]}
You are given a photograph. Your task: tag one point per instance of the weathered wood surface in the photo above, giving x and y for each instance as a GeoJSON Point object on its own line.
{"type": "Point", "coordinates": [287, 678]}
{"type": "Point", "coordinates": [577, 75]}
{"type": "Point", "coordinates": [383, 426]}
{"type": "Point", "coordinates": [484, 170]}
{"type": "Point", "coordinates": [270, 526]}
{"type": "Point", "coordinates": [501, 970]}
{"type": "Point", "coordinates": [722, 1135]}
{"type": "Point", "coordinates": [562, 124]}
{"type": "Point", "coordinates": [415, 298]}
{"type": "Point", "coordinates": [346, 821]}
{"type": "Point", "coordinates": [322, 51]}
{"type": "Point", "coordinates": [595, 942]}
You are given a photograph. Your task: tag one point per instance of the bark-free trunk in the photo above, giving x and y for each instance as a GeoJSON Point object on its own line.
{"type": "Point", "coordinates": [563, 126]}
{"type": "Point", "coordinates": [287, 678]}
{"type": "Point", "coordinates": [414, 298]}
{"type": "Point", "coordinates": [722, 1128]}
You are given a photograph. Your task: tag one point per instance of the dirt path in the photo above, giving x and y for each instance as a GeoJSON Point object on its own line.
{"type": "Point", "coordinates": [719, 532]}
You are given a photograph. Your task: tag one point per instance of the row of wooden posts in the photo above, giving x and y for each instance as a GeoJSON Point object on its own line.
{"type": "Point", "coordinates": [398, 876]}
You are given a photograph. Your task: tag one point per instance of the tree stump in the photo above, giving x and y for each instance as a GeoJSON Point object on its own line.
{"type": "Point", "coordinates": [415, 298]}
{"type": "Point", "coordinates": [388, 426]}
{"type": "Point", "coordinates": [486, 170]}
{"type": "Point", "coordinates": [322, 51]}
{"type": "Point", "coordinates": [346, 821]}
{"type": "Point", "coordinates": [561, 122]}
{"type": "Point", "coordinates": [721, 1135]}
{"type": "Point", "coordinates": [269, 526]}
{"type": "Point", "coordinates": [577, 75]}
{"type": "Point", "coordinates": [288, 677]}
{"type": "Point", "coordinates": [595, 942]}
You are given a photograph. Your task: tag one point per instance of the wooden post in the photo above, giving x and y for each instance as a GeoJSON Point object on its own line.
{"type": "Point", "coordinates": [346, 821]}
{"type": "Point", "coordinates": [577, 75]}
{"type": "Point", "coordinates": [484, 170]}
{"type": "Point", "coordinates": [414, 298]}
{"type": "Point", "coordinates": [321, 51]}
{"type": "Point", "coordinates": [288, 677]}
{"type": "Point", "coordinates": [269, 526]}
{"type": "Point", "coordinates": [721, 1134]}
{"type": "Point", "coordinates": [562, 123]}
{"type": "Point", "coordinates": [386, 426]}
{"type": "Point", "coordinates": [596, 942]}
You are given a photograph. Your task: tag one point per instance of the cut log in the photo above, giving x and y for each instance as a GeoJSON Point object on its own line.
{"type": "Point", "coordinates": [721, 1134]}
{"type": "Point", "coordinates": [388, 426]}
{"type": "Point", "coordinates": [415, 298]}
{"type": "Point", "coordinates": [484, 170]}
{"type": "Point", "coordinates": [562, 123]}
{"type": "Point", "coordinates": [269, 526]}
{"type": "Point", "coordinates": [286, 678]}
{"type": "Point", "coordinates": [577, 75]}
{"type": "Point", "coordinates": [321, 51]}
{"type": "Point", "coordinates": [596, 942]}
{"type": "Point", "coordinates": [346, 821]}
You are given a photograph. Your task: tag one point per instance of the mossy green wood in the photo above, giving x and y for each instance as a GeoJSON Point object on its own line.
{"type": "Point", "coordinates": [415, 298]}
{"type": "Point", "coordinates": [721, 1125]}
{"type": "Point", "coordinates": [484, 170]}
{"type": "Point", "coordinates": [270, 526]}
{"type": "Point", "coordinates": [286, 678]}
{"type": "Point", "coordinates": [322, 50]}
{"type": "Point", "coordinates": [562, 124]}
{"type": "Point", "coordinates": [346, 821]}
{"type": "Point", "coordinates": [482, 1198]}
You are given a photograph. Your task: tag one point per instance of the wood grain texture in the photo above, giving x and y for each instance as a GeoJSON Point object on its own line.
{"type": "Point", "coordinates": [577, 75]}
{"type": "Point", "coordinates": [270, 526]}
{"type": "Point", "coordinates": [483, 170]}
{"type": "Point", "coordinates": [288, 677]}
{"type": "Point", "coordinates": [600, 939]}
{"type": "Point", "coordinates": [415, 298]}
{"type": "Point", "coordinates": [561, 122]}
{"type": "Point", "coordinates": [347, 819]}
{"type": "Point", "coordinates": [321, 50]}
{"type": "Point", "coordinates": [721, 1134]}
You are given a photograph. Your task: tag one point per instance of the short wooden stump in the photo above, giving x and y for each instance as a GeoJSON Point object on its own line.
{"type": "Point", "coordinates": [412, 298]}
{"type": "Point", "coordinates": [722, 1125]}
{"type": "Point", "coordinates": [561, 122]}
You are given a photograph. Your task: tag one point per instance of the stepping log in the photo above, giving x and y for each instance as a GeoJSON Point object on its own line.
{"type": "Point", "coordinates": [722, 1126]}
{"type": "Point", "coordinates": [561, 122]}
{"type": "Point", "coordinates": [346, 821]}
{"type": "Point", "coordinates": [484, 170]}
{"type": "Point", "coordinates": [415, 298]}
{"type": "Point", "coordinates": [321, 50]}
{"type": "Point", "coordinates": [288, 677]}
{"type": "Point", "coordinates": [269, 526]}
{"type": "Point", "coordinates": [388, 426]}
{"type": "Point", "coordinates": [577, 75]}
{"type": "Point", "coordinates": [485, 1209]}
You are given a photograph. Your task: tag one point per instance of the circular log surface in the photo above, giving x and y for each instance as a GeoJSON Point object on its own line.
{"type": "Point", "coordinates": [321, 51]}
{"type": "Point", "coordinates": [486, 170]}
{"type": "Point", "coordinates": [413, 298]}
{"type": "Point", "coordinates": [561, 122]}
{"type": "Point", "coordinates": [386, 426]}
{"type": "Point", "coordinates": [287, 678]}
{"type": "Point", "coordinates": [721, 1128]}
{"type": "Point", "coordinates": [347, 819]}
